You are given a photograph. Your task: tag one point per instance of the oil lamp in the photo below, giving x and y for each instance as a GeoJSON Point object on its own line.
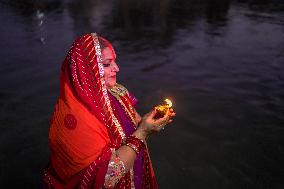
{"type": "Point", "coordinates": [161, 110]}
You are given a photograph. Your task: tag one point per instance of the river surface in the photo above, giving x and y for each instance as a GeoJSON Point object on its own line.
{"type": "Point", "coordinates": [220, 61]}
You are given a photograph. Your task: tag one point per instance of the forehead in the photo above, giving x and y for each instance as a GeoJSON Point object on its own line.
{"type": "Point", "coordinates": [108, 53]}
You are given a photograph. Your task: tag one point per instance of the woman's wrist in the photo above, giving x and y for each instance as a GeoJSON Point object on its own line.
{"type": "Point", "coordinates": [140, 133]}
{"type": "Point", "coordinates": [135, 143]}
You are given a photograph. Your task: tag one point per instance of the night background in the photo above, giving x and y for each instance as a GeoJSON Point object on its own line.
{"type": "Point", "coordinates": [220, 61]}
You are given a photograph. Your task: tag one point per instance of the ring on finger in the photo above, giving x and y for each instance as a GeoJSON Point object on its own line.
{"type": "Point", "coordinates": [161, 126]}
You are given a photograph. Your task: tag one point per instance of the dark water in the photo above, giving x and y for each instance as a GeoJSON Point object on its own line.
{"type": "Point", "coordinates": [220, 61]}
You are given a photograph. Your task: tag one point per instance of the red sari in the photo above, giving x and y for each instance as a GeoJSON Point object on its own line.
{"type": "Point", "coordinates": [85, 127]}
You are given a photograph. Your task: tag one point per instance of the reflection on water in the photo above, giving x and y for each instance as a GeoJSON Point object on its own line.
{"type": "Point", "coordinates": [220, 61]}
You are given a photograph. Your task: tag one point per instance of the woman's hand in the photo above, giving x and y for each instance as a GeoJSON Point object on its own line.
{"type": "Point", "coordinates": [149, 125]}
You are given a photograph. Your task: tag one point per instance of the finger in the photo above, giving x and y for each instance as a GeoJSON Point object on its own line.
{"type": "Point", "coordinates": [159, 127]}
{"type": "Point", "coordinates": [173, 114]}
{"type": "Point", "coordinates": [162, 121]}
{"type": "Point", "coordinates": [170, 111]}
{"type": "Point", "coordinates": [152, 114]}
{"type": "Point", "coordinates": [166, 116]}
{"type": "Point", "coordinates": [163, 126]}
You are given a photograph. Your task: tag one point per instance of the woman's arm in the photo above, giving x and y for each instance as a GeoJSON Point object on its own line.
{"type": "Point", "coordinates": [124, 157]}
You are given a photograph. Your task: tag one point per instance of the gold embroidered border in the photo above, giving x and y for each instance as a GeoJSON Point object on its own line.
{"type": "Point", "coordinates": [104, 90]}
{"type": "Point", "coordinates": [117, 95]}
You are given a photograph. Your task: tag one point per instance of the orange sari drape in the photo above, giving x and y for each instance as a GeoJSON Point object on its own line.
{"type": "Point", "coordinates": [76, 137]}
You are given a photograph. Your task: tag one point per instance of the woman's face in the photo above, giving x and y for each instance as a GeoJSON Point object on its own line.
{"type": "Point", "coordinates": [110, 67]}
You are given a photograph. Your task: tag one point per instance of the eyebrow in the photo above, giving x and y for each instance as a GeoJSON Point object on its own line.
{"type": "Point", "coordinates": [107, 60]}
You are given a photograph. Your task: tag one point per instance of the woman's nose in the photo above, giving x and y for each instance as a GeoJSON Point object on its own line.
{"type": "Point", "coordinates": [115, 67]}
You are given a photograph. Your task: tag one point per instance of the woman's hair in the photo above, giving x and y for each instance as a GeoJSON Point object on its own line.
{"type": "Point", "coordinates": [104, 43]}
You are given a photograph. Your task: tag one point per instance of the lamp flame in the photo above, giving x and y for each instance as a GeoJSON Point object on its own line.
{"type": "Point", "coordinates": [168, 102]}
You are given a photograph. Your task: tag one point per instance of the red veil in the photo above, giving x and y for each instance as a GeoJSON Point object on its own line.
{"type": "Point", "coordinates": [84, 128]}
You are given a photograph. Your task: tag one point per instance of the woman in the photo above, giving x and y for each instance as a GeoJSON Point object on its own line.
{"type": "Point", "coordinates": [96, 137]}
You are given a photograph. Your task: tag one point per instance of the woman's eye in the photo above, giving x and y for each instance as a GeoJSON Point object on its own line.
{"type": "Point", "coordinates": [106, 65]}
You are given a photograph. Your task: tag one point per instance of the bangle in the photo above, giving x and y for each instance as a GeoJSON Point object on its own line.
{"type": "Point", "coordinates": [135, 143]}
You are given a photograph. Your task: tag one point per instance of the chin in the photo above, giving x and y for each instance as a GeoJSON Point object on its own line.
{"type": "Point", "coordinates": [113, 84]}
{"type": "Point", "coordinates": [110, 85]}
